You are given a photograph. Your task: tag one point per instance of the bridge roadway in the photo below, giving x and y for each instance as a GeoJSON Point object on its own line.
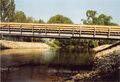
{"type": "Point", "coordinates": [59, 31]}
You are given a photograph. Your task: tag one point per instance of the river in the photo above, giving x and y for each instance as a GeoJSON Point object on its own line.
{"type": "Point", "coordinates": [43, 65]}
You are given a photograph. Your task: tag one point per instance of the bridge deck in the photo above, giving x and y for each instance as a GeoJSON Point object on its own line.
{"type": "Point", "coordinates": [60, 30]}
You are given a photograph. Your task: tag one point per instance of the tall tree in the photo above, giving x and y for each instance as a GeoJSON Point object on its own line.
{"type": "Point", "coordinates": [104, 20]}
{"type": "Point", "coordinates": [91, 14]}
{"type": "Point", "coordinates": [7, 10]}
{"type": "Point", "coordinates": [29, 19]}
{"type": "Point", "coordinates": [40, 21]}
{"type": "Point", "coordinates": [20, 17]}
{"type": "Point", "coordinates": [94, 19]}
{"type": "Point", "coordinates": [60, 19]}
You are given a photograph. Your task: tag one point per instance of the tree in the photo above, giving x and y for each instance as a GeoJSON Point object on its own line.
{"type": "Point", "coordinates": [7, 10]}
{"type": "Point", "coordinates": [29, 19]}
{"type": "Point", "coordinates": [40, 21]}
{"type": "Point", "coordinates": [60, 19]}
{"type": "Point", "coordinates": [20, 17]}
{"type": "Point", "coordinates": [94, 19]}
{"type": "Point", "coordinates": [104, 20]}
{"type": "Point", "coordinates": [91, 14]}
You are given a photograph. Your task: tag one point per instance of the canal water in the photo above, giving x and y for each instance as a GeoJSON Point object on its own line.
{"type": "Point", "coordinates": [43, 65]}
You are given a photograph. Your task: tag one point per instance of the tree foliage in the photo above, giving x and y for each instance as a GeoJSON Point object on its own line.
{"type": "Point", "coordinates": [60, 19]}
{"type": "Point", "coordinates": [40, 21]}
{"type": "Point", "coordinates": [20, 17]}
{"type": "Point", "coordinates": [8, 13]}
{"type": "Point", "coordinates": [29, 19]}
{"type": "Point", "coordinates": [94, 19]}
{"type": "Point", "coordinates": [7, 10]}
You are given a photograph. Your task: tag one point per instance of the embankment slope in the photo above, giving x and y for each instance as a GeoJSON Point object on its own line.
{"type": "Point", "coordinates": [4, 44]}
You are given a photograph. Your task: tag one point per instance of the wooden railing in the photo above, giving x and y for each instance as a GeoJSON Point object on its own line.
{"type": "Point", "coordinates": [60, 30]}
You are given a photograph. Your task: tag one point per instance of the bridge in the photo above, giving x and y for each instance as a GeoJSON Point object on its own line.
{"type": "Point", "coordinates": [59, 31]}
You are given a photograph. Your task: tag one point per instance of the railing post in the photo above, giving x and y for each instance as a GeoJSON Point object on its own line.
{"type": "Point", "coordinates": [109, 32]}
{"type": "Point", "coordinates": [45, 29]}
{"type": "Point", "coordinates": [21, 29]}
{"type": "Point", "coordinates": [94, 31]}
{"type": "Point", "coordinates": [33, 30]}
{"type": "Point", "coordinates": [9, 29]}
{"type": "Point", "coordinates": [0, 28]}
{"type": "Point", "coordinates": [39, 31]}
{"type": "Point", "coordinates": [80, 31]}
{"type": "Point", "coordinates": [59, 30]}
{"type": "Point", "coordinates": [73, 31]}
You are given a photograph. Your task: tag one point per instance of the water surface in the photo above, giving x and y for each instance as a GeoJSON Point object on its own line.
{"type": "Point", "coordinates": [43, 65]}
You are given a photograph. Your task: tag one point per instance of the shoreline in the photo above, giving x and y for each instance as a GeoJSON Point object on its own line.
{"type": "Point", "coordinates": [4, 44]}
{"type": "Point", "coordinates": [106, 63]}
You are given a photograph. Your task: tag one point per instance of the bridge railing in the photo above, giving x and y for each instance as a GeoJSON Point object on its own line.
{"type": "Point", "coordinates": [73, 29]}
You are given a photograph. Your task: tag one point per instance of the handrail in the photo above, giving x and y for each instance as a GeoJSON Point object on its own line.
{"type": "Point", "coordinates": [38, 24]}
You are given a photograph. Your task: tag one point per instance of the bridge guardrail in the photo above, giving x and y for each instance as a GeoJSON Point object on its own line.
{"type": "Point", "coordinates": [73, 29]}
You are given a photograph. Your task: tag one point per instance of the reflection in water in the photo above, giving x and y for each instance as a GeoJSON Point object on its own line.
{"type": "Point", "coordinates": [34, 65]}
{"type": "Point", "coordinates": [14, 57]}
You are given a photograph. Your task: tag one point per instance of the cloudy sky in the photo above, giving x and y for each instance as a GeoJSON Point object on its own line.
{"type": "Point", "coordinates": [74, 9]}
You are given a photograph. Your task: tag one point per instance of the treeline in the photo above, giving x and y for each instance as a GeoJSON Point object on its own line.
{"type": "Point", "coordinates": [9, 14]}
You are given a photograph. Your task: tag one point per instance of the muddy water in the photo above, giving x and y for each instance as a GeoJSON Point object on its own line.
{"type": "Point", "coordinates": [42, 65]}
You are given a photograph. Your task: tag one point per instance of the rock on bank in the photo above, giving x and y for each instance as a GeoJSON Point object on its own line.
{"type": "Point", "coordinates": [106, 63]}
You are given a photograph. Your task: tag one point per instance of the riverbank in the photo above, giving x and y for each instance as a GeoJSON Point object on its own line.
{"type": "Point", "coordinates": [106, 65]}
{"type": "Point", "coordinates": [4, 44]}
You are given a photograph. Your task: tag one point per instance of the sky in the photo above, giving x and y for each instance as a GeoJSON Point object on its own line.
{"type": "Point", "coordinates": [74, 9]}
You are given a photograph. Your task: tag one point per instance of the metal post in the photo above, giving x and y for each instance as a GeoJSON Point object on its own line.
{"type": "Point", "coordinates": [9, 29]}
{"type": "Point", "coordinates": [21, 29]}
{"type": "Point", "coordinates": [1, 33]}
{"type": "Point", "coordinates": [109, 32]}
{"type": "Point", "coordinates": [73, 31]}
{"type": "Point", "coordinates": [45, 30]}
{"type": "Point", "coordinates": [59, 30]}
{"type": "Point", "coordinates": [0, 28]}
{"type": "Point", "coordinates": [94, 31]}
{"type": "Point", "coordinates": [39, 31]}
{"type": "Point", "coordinates": [33, 29]}
{"type": "Point", "coordinates": [80, 31]}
